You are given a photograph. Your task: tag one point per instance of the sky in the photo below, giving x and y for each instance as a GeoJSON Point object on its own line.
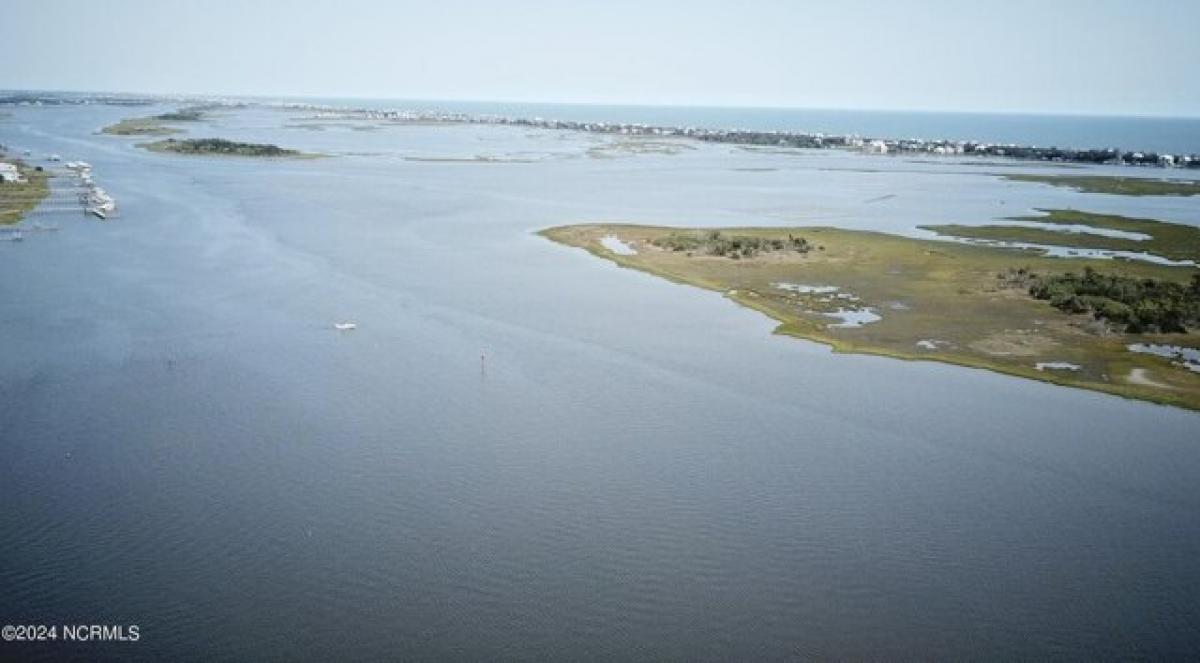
{"type": "Point", "coordinates": [1105, 57]}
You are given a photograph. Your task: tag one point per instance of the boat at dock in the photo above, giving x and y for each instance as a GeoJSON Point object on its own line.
{"type": "Point", "coordinates": [96, 201]}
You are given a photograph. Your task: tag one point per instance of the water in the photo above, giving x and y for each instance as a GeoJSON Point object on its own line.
{"type": "Point", "coordinates": [807, 289]}
{"type": "Point", "coordinates": [853, 317]}
{"type": "Point", "coordinates": [1189, 358]}
{"type": "Point", "coordinates": [618, 247]}
{"type": "Point", "coordinates": [638, 469]}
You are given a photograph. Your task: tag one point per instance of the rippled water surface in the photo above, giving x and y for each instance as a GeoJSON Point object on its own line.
{"type": "Point", "coordinates": [524, 452]}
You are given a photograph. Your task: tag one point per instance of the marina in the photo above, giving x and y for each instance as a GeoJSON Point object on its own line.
{"type": "Point", "coordinates": [94, 199]}
{"type": "Point", "coordinates": [72, 189]}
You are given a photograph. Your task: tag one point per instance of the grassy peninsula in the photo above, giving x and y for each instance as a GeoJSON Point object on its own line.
{"type": "Point", "coordinates": [1015, 312]}
{"type": "Point", "coordinates": [17, 198]}
{"type": "Point", "coordinates": [155, 125]}
{"type": "Point", "coordinates": [222, 147]}
{"type": "Point", "coordinates": [1116, 185]}
{"type": "Point", "coordinates": [1169, 240]}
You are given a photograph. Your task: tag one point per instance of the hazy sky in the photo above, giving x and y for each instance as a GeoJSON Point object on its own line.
{"type": "Point", "coordinates": [1085, 56]}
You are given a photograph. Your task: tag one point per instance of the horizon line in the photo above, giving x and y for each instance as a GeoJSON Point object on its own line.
{"type": "Point", "coordinates": [614, 104]}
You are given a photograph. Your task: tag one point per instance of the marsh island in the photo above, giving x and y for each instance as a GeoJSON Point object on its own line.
{"type": "Point", "coordinates": [222, 147]}
{"type": "Point", "coordinates": [1117, 186]}
{"type": "Point", "coordinates": [155, 125]}
{"type": "Point", "coordinates": [1077, 322]}
{"type": "Point", "coordinates": [1088, 230]}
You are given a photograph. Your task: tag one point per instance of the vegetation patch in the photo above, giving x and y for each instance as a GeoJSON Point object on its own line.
{"type": "Point", "coordinates": [18, 198]}
{"type": "Point", "coordinates": [140, 126]}
{"type": "Point", "coordinates": [182, 115]}
{"type": "Point", "coordinates": [931, 289]}
{"type": "Point", "coordinates": [1174, 241]}
{"type": "Point", "coordinates": [1115, 185]}
{"type": "Point", "coordinates": [155, 125]}
{"type": "Point", "coordinates": [715, 243]}
{"type": "Point", "coordinates": [630, 146]}
{"type": "Point", "coordinates": [221, 147]}
{"type": "Point", "coordinates": [1133, 305]}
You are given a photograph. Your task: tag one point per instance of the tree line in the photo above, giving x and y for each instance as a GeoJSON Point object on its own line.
{"type": "Point", "coordinates": [1134, 305]}
{"type": "Point", "coordinates": [731, 246]}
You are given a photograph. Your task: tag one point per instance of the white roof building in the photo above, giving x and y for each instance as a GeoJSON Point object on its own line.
{"type": "Point", "coordinates": [9, 173]}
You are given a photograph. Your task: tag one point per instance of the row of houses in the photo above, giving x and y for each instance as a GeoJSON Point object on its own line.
{"type": "Point", "coordinates": [1110, 156]}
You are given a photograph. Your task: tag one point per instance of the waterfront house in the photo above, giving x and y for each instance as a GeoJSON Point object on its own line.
{"type": "Point", "coordinates": [9, 173]}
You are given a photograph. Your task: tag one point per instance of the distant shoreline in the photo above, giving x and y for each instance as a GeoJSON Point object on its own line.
{"type": "Point", "coordinates": [786, 139]}
{"type": "Point", "coordinates": [777, 138]}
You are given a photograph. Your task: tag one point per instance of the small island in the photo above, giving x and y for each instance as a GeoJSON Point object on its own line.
{"type": "Point", "coordinates": [222, 147]}
{"type": "Point", "coordinates": [155, 125]}
{"type": "Point", "coordinates": [1118, 326]}
{"type": "Point", "coordinates": [1114, 185]}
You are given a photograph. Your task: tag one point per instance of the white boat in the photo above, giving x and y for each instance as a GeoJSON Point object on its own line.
{"type": "Point", "coordinates": [98, 202]}
{"type": "Point", "coordinates": [344, 326]}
